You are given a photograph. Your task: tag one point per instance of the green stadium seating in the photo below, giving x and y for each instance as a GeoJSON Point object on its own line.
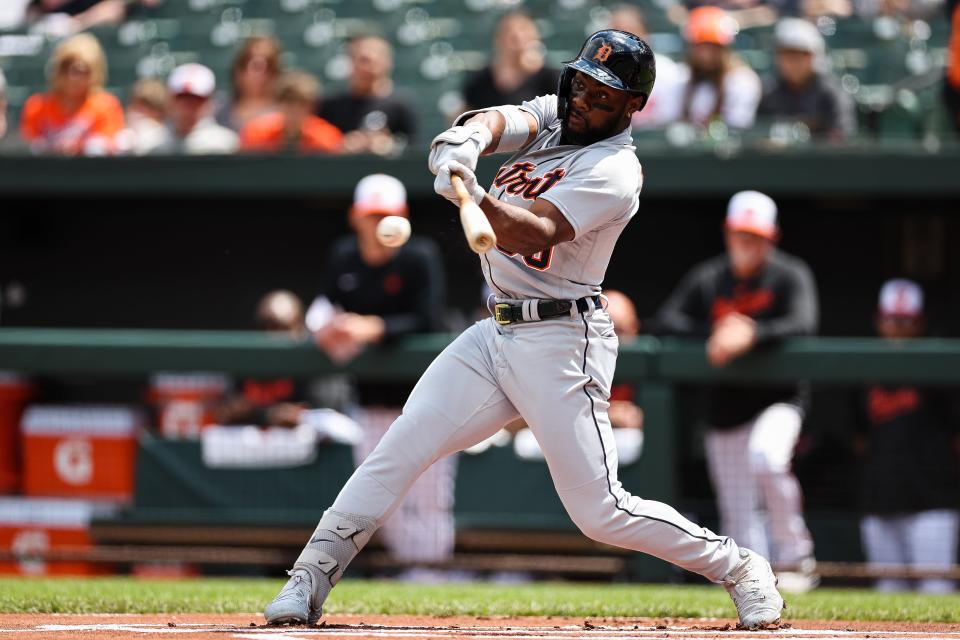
{"type": "Point", "coordinates": [438, 43]}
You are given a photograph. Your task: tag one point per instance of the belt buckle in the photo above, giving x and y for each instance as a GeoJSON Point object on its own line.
{"type": "Point", "coordinates": [501, 313]}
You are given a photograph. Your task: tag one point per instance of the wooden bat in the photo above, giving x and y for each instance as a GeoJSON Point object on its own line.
{"type": "Point", "coordinates": [476, 227]}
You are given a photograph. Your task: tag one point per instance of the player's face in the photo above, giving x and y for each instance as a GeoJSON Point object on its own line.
{"type": "Point", "coordinates": [748, 252]}
{"type": "Point", "coordinates": [596, 111]}
{"type": "Point", "coordinates": [895, 327]}
{"type": "Point", "coordinates": [371, 251]}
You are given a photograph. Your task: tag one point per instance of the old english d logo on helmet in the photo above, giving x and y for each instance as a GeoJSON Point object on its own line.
{"type": "Point", "coordinates": [618, 59]}
{"type": "Point", "coordinates": [603, 52]}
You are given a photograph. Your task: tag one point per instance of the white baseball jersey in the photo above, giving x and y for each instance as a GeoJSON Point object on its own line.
{"type": "Point", "coordinates": [597, 188]}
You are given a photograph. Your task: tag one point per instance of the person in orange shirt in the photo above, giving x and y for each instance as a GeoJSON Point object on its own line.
{"type": "Point", "coordinates": [76, 116]}
{"type": "Point", "coordinates": [293, 127]}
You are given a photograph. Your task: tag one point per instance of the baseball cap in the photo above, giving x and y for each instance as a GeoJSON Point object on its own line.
{"type": "Point", "coordinates": [798, 35]}
{"type": "Point", "coordinates": [753, 212]}
{"type": "Point", "coordinates": [379, 194]}
{"type": "Point", "coordinates": [901, 297]}
{"type": "Point", "coordinates": [710, 25]}
{"type": "Point", "coordinates": [192, 79]}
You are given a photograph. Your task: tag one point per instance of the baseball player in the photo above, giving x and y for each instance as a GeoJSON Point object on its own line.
{"type": "Point", "coordinates": [909, 441]}
{"type": "Point", "coordinates": [751, 296]}
{"type": "Point", "coordinates": [558, 204]}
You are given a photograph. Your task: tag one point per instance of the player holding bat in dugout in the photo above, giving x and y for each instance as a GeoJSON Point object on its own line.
{"type": "Point", "coordinates": [547, 354]}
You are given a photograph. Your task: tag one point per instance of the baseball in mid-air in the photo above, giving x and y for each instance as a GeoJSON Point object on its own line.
{"type": "Point", "coordinates": [393, 231]}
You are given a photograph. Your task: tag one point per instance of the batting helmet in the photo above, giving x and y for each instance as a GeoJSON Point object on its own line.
{"type": "Point", "coordinates": [618, 59]}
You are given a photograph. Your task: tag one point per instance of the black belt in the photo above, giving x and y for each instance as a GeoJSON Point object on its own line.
{"type": "Point", "coordinates": [536, 310]}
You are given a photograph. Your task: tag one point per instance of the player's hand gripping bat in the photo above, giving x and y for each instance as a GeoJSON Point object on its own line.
{"type": "Point", "coordinates": [476, 227]}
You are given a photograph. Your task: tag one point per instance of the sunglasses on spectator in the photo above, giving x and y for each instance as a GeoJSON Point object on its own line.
{"type": "Point", "coordinates": [73, 68]}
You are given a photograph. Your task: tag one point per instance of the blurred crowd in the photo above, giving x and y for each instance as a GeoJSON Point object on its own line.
{"type": "Point", "coordinates": [710, 92]}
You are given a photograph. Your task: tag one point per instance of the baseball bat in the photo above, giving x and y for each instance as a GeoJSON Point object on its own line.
{"type": "Point", "coordinates": [476, 227]}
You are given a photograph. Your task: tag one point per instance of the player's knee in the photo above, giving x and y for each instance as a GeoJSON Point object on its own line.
{"type": "Point", "coordinates": [594, 524]}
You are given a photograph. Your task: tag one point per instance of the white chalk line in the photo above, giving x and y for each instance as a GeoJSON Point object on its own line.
{"type": "Point", "coordinates": [597, 632]}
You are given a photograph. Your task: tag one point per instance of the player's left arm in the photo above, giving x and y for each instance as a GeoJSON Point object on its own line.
{"type": "Point", "coordinates": [526, 231]}
{"type": "Point", "coordinates": [803, 310]}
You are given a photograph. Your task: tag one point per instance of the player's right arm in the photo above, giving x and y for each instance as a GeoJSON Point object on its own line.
{"type": "Point", "coordinates": [501, 129]}
{"type": "Point", "coordinates": [496, 123]}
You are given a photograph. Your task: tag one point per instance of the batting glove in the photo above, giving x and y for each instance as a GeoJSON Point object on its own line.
{"type": "Point", "coordinates": [443, 187]}
{"type": "Point", "coordinates": [459, 144]}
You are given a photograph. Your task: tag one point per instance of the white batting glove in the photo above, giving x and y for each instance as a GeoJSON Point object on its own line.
{"type": "Point", "coordinates": [443, 187]}
{"type": "Point", "coordinates": [459, 144]}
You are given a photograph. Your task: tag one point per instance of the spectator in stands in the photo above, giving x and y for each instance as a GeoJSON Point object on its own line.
{"type": "Point", "coordinates": [629, 18]}
{"type": "Point", "coordinates": [909, 440]}
{"type": "Point", "coordinates": [373, 117]}
{"type": "Point", "coordinates": [951, 85]}
{"type": "Point", "coordinates": [293, 127]}
{"type": "Point", "coordinates": [147, 112]}
{"type": "Point", "coordinates": [80, 15]}
{"type": "Point", "coordinates": [76, 116]}
{"type": "Point", "coordinates": [750, 297]}
{"type": "Point", "coordinates": [373, 294]}
{"type": "Point", "coordinates": [256, 69]}
{"type": "Point", "coordinates": [715, 84]}
{"type": "Point", "coordinates": [277, 402]}
{"type": "Point", "coordinates": [516, 71]}
{"type": "Point", "coordinates": [192, 129]}
{"type": "Point", "coordinates": [802, 90]}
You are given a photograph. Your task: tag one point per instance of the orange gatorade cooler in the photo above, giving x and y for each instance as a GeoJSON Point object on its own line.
{"type": "Point", "coordinates": [15, 391]}
{"type": "Point", "coordinates": [185, 402]}
{"type": "Point", "coordinates": [31, 527]}
{"type": "Point", "coordinates": [80, 451]}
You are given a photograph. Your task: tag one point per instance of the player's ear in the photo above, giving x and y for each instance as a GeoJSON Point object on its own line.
{"type": "Point", "coordinates": [635, 104]}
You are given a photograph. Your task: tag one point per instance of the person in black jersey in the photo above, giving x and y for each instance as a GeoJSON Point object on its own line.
{"type": "Point", "coordinates": [909, 441]}
{"type": "Point", "coordinates": [747, 298]}
{"type": "Point", "coordinates": [371, 114]}
{"type": "Point", "coordinates": [516, 71]}
{"type": "Point", "coordinates": [373, 294]}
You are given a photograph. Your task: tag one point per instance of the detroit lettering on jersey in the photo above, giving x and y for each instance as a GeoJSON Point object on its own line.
{"type": "Point", "coordinates": [518, 183]}
{"type": "Point", "coordinates": [595, 187]}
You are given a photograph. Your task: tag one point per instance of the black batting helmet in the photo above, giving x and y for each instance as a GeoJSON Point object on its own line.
{"type": "Point", "coordinates": [617, 59]}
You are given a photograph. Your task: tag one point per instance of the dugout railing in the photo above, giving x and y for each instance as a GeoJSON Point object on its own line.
{"type": "Point", "coordinates": [890, 169]}
{"type": "Point", "coordinates": [659, 368]}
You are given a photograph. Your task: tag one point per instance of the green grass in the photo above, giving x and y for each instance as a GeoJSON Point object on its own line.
{"type": "Point", "coordinates": [124, 595]}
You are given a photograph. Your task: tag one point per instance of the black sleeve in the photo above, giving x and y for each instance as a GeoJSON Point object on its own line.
{"type": "Point", "coordinates": [802, 311]}
{"type": "Point", "coordinates": [475, 91]}
{"type": "Point", "coordinates": [404, 118]}
{"type": "Point", "coordinates": [428, 290]}
{"type": "Point", "coordinates": [861, 421]}
{"type": "Point", "coordinates": [333, 269]}
{"type": "Point", "coordinates": [685, 312]}
{"type": "Point", "coordinates": [767, 106]}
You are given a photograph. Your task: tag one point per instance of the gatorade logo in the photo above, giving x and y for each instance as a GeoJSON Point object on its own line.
{"type": "Point", "coordinates": [73, 461]}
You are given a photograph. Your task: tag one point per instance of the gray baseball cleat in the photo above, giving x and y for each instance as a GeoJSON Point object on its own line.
{"type": "Point", "coordinates": [753, 588]}
{"type": "Point", "coordinates": [292, 604]}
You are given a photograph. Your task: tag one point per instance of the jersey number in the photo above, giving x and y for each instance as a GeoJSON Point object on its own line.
{"type": "Point", "coordinates": [539, 261]}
